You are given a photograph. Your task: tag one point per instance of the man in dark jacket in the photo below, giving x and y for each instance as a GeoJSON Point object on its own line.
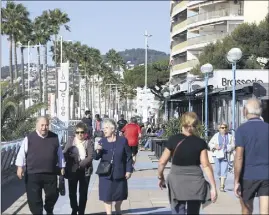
{"type": "Point", "coordinates": [40, 153]}
{"type": "Point", "coordinates": [121, 123]}
{"type": "Point", "coordinates": [88, 121]}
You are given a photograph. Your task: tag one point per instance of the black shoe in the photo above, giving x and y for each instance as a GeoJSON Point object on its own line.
{"type": "Point", "coordinates": [74, 212]}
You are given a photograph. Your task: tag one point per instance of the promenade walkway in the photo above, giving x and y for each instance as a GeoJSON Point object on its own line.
{"type": "Point", "coordinates": [144, 195]}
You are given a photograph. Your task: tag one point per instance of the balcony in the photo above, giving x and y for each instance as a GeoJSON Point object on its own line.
{"type": "Point", "coordinates": [177, 26]}
{"type": "Point", "coordinates": [214, 15]}
{"type": "Point", "coordinates": [206, 38]}
{"type": "Point", "coordinates": [188, 64]}
{"type": "Point", "coordinates": [179, 47]}
{"type": "Point", "coordinates": [179, 7]}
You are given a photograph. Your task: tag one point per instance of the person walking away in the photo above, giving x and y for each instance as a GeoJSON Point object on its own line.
{"type": "Point", "coordinates": [222, 146]}
{"type": "Point", "coordinates": [88, 121]}
{"type": "Point", "coordinates": [97, 129]}
{"type": "Point", "coordinates": [186, 183]}
{"type": "Point", "coordinates": [40, 152]}
{"type": "Point", "coordinates": [113, 151]}
{"type": "Point", "coordinates": [251, 163]}
{"type": "Point", "coordinates": [132, 132]}
{"type": "Point", "coordinates": [121, 123]}
{"type": "Point", "coordinates": [78, 154]}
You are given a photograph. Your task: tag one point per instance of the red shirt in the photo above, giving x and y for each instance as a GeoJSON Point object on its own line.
{"type": "Point", "coordinates": [131, 132]}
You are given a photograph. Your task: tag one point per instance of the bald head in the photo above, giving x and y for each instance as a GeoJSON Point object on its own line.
{"type": "Point", "coordinates": [253, 108]}
{"type": "Point", "coordinates": [42, 125]}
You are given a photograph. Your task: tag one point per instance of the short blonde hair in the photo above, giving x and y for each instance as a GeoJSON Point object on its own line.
{"type": "Point", "coordinates": [111, 123]}
{"type": "Point", "coordinates": [189, 118]}
{"type": "Point", "coordinates": [223, 123]}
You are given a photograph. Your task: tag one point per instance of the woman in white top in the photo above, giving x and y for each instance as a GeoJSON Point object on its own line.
{"type": "Point", "coordinates": [78, 154]}
{"type": "Point", "coordinates": [222, 145]}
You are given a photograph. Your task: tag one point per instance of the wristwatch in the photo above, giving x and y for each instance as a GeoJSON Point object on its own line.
{"type": "Point", "coordinates": [160, 177]}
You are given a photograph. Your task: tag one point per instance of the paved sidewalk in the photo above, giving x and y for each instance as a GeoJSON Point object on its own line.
{"type": "Point", "coordinates": [144, 195]}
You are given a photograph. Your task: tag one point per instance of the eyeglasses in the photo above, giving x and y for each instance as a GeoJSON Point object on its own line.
{"type": "Point", "coordinates": [79, 132]}
{"type": "Point", "coordinates": [223, 127]}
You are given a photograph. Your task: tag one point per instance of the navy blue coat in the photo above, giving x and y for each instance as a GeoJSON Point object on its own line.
{"type": "Point", "coordinates": [122, 162]}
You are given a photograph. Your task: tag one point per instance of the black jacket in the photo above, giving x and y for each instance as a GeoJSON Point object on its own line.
{"type": "Point", "coordinates": [71, 156]}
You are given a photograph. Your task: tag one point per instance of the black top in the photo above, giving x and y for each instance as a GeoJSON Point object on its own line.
{"type": "Point", "coordinates": [188, 152]}
{"type": "Point", "coordinates": [42, 155]}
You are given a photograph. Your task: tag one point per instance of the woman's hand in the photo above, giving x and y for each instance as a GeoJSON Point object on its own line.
{"type": "Point", "coordinates": [128, 175]}
{"type": "Point", "coordinates": [217, 146]}
{"type": "Point", "coordinates": [213, 195]}
{"type": "Point", "coordinates": [162, 183]}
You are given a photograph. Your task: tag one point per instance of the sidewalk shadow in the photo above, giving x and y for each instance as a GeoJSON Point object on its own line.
{"type": "Point", "coordinates": [153, 210]}
{"type": "Point", "coordinates": [11, 192]}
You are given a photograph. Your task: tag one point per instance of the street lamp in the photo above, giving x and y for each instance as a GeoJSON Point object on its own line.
{"type": "Point", "coordinates": [233, 56]}
{"type": "Point", "coordinates": [206, 69]}
{"type": "Point", "coordinates": [146, 57]}
{"type": "Point", "coordinates": [190, 79]}
{"type": "Point", "coordinates": [166, 95]}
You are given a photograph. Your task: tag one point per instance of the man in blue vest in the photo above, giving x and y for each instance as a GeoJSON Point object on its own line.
{"type": "Point", "coordinates": [40, 153]}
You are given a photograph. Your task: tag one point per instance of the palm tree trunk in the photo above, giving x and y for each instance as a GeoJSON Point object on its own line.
{"type": "Point", "coordinates": [105, 95]}
{"type": "Point", "coordinates": [90, 94]}
{"type": "Point", "coordinates": [15, 60]}
{"type": "Point", "coordinates": [87, 90]}
{"type": "Point", "coordinates": [99, 92]}
{"type": "Point", "coordinates": [55, 61]}
{"type": "Point", "coordinates": [40, 74]}
{"type": "Point", "coordinates": [45, 76]}
{"type": "Point", "coordinates": [10, 60]}
{"type": "Point", "coordinates": [73, 81]}
{"type": "Point", "coordinates": [22, 77]}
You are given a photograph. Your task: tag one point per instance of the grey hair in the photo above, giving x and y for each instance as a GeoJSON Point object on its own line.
{"type": "Point", "coordinates": [111, 123]}
{"type": "Point", "coordinates": [42, 117]}
{"type": "Point", "coordinates": [254, 107]}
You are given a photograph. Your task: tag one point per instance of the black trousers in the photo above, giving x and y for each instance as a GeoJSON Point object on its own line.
{"type": "Point", "coordinates": [73, 180]}
{"type": "Point", "coordinates": [34, 185]}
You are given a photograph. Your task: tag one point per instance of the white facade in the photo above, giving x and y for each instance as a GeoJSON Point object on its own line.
{"type": "Point", "coordinates": [195, 24]}
{"type": "Point", "coordinates": [147, 106]}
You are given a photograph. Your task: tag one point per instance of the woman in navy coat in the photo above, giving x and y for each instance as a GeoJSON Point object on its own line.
{"type": "Point", "coordinates": [114, 187]}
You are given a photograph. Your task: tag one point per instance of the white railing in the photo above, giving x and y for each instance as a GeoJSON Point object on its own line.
{"type": "Point", "coordinates": [214, 14]}
{"type": "Point", "coordinates": [206, 38]}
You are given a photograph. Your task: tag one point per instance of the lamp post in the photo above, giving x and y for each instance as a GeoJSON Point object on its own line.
{"type": "Point", "coordinates": [146, 57]}
{"type": "Point", "coordinates": [206, 69]}
{"type": "Point", "coordinates": [233, 56]}
{"type": "Point", "coordinates": [166, 96]}
{"type": "Point", "coordinates": [190, 79]}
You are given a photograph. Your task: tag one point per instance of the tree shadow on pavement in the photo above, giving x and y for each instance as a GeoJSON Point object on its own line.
{"type": "Point", "coordinates": [153, 210]}
{"type": "Point", "coordinates": [11, 192]}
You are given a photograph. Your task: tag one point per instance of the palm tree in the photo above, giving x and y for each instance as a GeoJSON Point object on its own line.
{"type": "Point", "coordinates": [15, 122]}
{"type": "Point", "coordinates": [114, 59]}
{"type": "Point", "coordinates": [57, 19]}
{"type": "Point", "coordinates": [13, 19]}
{"type": "Point", "coordinates": [23, 37]}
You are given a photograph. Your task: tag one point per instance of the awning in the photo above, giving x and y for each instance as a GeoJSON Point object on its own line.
{"type": "Point", "coordinates": [199, 90]}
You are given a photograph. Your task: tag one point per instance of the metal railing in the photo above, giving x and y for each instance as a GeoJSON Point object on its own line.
{"type": "Point", "coordinates": [206, 38]}
{"type": "Point", "coordinates": [214, 14]}
{"type": "Point", "coordinates": [187, 64]}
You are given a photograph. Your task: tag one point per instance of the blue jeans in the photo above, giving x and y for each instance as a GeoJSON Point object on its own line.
{"type": "Point", "coordinates": [193, 207]}
{"type": "Point", "coordinates": [221, 167]}
{"type": "Point", "coordinates": [148, 143]}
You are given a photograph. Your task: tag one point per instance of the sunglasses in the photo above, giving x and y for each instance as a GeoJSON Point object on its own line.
{"type": "Point", "coordinates": [79, 132]}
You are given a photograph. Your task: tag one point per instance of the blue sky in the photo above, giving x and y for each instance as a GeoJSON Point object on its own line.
{"type": "Point", "coordinates": [107, 24]}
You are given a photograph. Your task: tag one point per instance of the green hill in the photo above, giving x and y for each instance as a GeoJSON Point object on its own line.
{"type": "Point", "coordinates": [137, 56]}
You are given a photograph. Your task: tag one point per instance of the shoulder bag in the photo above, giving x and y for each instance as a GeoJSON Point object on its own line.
{"type": "Point", "coordinates": [104, 168]}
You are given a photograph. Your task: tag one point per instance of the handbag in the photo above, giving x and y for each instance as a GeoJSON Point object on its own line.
{"type": "Point", "coordinates": [104, 168]}
{"type": "Point", "coordinates": [219, 154]}
{"type": "Point", "coordinates": [61, 185]}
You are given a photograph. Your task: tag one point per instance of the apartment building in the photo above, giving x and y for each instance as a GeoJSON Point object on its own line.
{"type": "Point", "coordinates": [195, 24]}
